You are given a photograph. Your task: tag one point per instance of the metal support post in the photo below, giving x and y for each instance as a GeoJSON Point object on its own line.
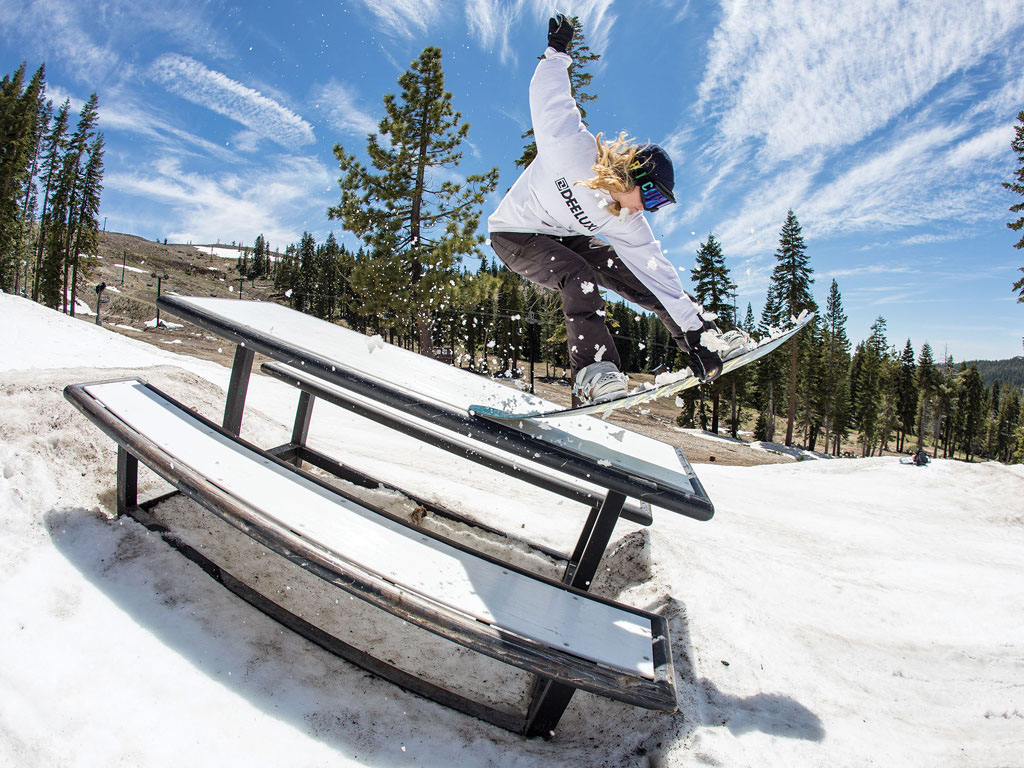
{"type": "Point", "coordinates": [593, 541]}
{"type": "Point", "coordinates": [127, 481]}
{"type": "Point", "coordinates": [237, 388]}
{"type": "Point", "coordinates": [550, 698]}
{"type": "Point", "coordinates": [301, 429]}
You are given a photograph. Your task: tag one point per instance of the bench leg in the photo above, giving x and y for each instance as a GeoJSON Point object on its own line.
{"type": "Point", "coordinates": [127, 481]}
{"type": "Point", "coordinates": [550, 700]}
{"type": "Point", "coordinates": [594, 541]}
{"type": "Point", "coordinates": [237, 389]}
{"type": "Point", "coordinates": [300, 431]}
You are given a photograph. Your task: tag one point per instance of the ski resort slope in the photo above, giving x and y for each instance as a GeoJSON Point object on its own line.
{"type": "Point", "coordinates": [833, 613]}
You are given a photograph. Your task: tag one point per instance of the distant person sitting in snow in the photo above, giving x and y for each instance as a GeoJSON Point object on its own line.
{"type": "Point", "coordinates": [920, 458]}
{"type": "Point", "coordinates": [579, 186]}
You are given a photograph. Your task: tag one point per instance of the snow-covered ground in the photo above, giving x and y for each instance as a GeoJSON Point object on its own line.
{"type": "Point", "coordinates": [833, 613]}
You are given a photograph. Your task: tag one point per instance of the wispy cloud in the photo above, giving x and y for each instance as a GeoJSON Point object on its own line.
{"type": "Point", "coordinates": [92, 36]}
{"type": "Point", "coordinates": [340, 104]}
{"type": "Point", "coordinates": [126, 116]}
{"type": "Point", "coordinates": [189, 79]}
{"type": "Point", "coordinates": [795, 76]}
{"type": "Point", "coordinates": [491, 22]}
{"type": "Point", "coordinates": [867, 121]}
{"type": "Point", "coordinates": [403, 18]}
{"type": "Point", "coordinates": [210, 207]}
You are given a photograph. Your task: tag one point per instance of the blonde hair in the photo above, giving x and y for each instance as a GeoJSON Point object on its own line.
{"type": "Point", "coordinates": [612, 167]}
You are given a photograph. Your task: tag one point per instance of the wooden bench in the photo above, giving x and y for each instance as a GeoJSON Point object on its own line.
{"type": "Point", "coordinates": [566, 637]}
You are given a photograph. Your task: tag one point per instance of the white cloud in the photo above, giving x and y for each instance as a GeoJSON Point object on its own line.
{"type": "Point", "coordinates": [91, 35]}
{"type": "Point", "coordinates": [860, 119]}
{"type": "Point", "coordinates": [403, 18]}
{"type": "Point", "coordinates": [227, 206]}
{"type": "Point", "coordinates": [797, 76]}
{"type": "Point", "coordinates": [123, 115]}
{"type": "Point", "coordinates": [492, 22]}
{"type": "Point", "coordinates": [187, 78]}
{"type": "Point", "coordinates": [339, 103]}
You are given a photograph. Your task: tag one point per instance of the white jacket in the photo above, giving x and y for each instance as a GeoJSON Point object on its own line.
{"type": "Point", "coordinates": [546, 199]}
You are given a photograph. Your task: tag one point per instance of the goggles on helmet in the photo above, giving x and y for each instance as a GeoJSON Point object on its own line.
{"type": "Point", "coordinates": [654, 194]}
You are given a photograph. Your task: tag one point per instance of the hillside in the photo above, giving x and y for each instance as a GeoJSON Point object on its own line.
{"type": "Point", "coordinates": [1006, 371]}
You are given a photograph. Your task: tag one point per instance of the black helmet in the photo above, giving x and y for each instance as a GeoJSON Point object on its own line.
{"type": "Point", "coordinates": [652, 170]}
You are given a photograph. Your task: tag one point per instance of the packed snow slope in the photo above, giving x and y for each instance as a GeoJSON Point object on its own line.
{"type": "Point", "coordinates": [833, 613]}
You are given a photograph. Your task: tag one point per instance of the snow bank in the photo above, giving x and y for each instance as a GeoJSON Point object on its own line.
{"type": "Point", "coordinates": [838, 613]}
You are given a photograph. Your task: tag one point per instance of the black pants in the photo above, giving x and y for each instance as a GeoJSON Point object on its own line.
{"type": "Point", "coordinates": [577, 266]}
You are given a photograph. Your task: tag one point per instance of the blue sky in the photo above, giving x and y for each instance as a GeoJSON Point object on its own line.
{"type": "Point", "coordinates": [884, 124]}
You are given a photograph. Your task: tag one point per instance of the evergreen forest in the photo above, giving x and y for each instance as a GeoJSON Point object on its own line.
{"type": "Point", "coordinates": [51, 179]}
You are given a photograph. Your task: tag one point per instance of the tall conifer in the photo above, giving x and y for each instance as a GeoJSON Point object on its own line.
{"type": "Point", "coordinates": [1017, 186]}
{"type": "Point", "coordinates": [19, 115]}
{"type": "Point", "coordinates": [416, 224]}
{"type": "Point", "coordinates": [714, 289]}
{"type": "Point", "coordinates": [835, 369]}
{"type": "Point", "coordinates": [792, 280]}
{"type": "Point", "coordinates": [906, 394]}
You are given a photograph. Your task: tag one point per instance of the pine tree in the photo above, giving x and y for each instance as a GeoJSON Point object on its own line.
{"type": "Point", "coordinates": [305, 274]}
{"type": "Point", "coordinates": [1017, 186]}
{"type": "Point", "coordinates": [87, 210]}
{"type": "Point", "coordinates": [927, 380]}
{"type": "Point", "coordinates": [65, 209]}
{"type": "Point", "coordinates": [792, 280]}
{"type": "Point", "coordinates": [19, 113]}
{"type": "Point", "coordinates": [714, 289]}
{"type": "Point", "coordinates": [835, 369]}
{"type": "Point", "coordinates": [769, 370]}
{"type": "Point", "coordinates": [54, 145]}
{"type": "Point", "coordinates": [970, 408]}
{"type": "Point", "coordinates": [416, 225]}
{"type": "Point", "coordinates": [906, 394]}
{"type": "Point", "coordinates": [870, 382]}
{"type": "Point", "coordinates": [579, 80]}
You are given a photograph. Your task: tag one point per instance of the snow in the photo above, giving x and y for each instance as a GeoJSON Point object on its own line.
{"type": "Point", "coordinates": [839, 613]}
{"type": "Point", "coordinates": [220, 252]}
{"type": "Point", "coordinates": [165, 324]}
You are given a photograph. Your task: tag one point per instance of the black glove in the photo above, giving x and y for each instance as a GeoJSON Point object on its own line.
{"type": "Point", "coordinates": [560, 33]}
{"type": "Point", "coordinates": [707, 365]}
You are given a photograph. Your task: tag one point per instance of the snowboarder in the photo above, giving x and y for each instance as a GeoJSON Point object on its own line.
{"type": "Point", "coordinates": [920, 458]}
{"type": "Point", "coordinates": [580, 186]}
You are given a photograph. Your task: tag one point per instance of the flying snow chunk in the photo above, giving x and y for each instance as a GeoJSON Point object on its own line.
{"type": "Point", "coordinates": [374, 343]}
{"type": "Point", "coordinates": [670, 377]}
{"type": "Point", "coordinates": [652, 265]}
{"type": "Point", "coordinates": [587, 287]}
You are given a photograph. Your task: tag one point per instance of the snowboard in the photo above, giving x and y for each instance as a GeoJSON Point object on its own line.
{"type": "Point", "coordinates": [688, 380]}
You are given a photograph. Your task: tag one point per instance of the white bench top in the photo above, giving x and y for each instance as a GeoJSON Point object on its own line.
{"type": "Point", "coordinates": [484, 590]}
